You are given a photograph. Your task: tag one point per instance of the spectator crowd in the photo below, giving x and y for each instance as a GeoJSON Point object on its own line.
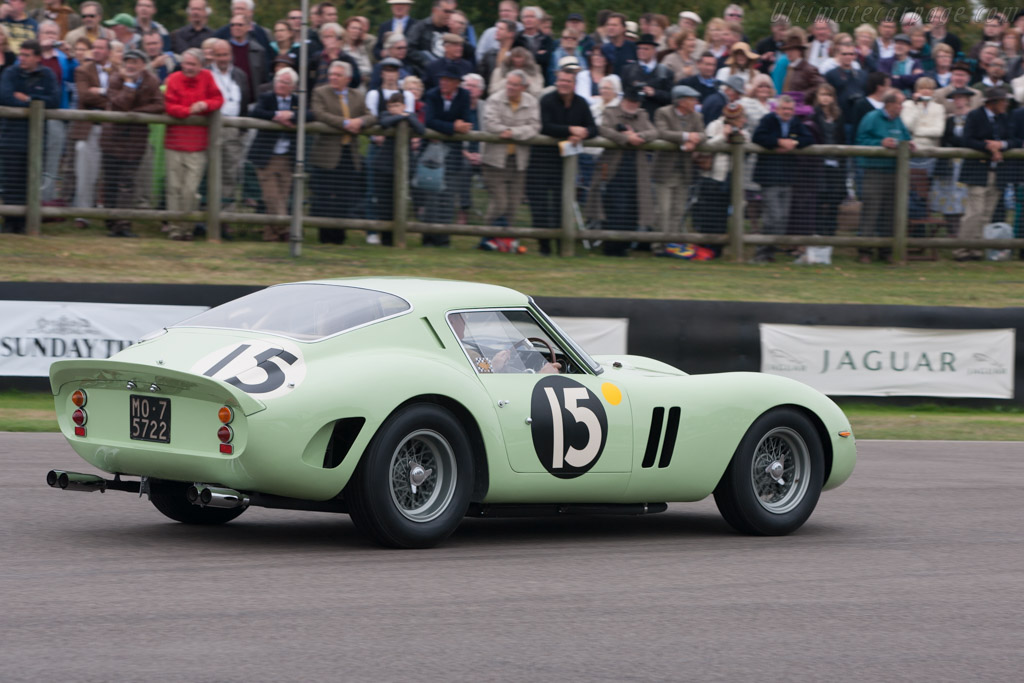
{"type": "Point", "coordinates": [685, 80]}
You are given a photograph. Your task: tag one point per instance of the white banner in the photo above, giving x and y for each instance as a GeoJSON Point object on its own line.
{"type": "Point", "coordinates": [596, 336]}
{"type": "Point", "coordinates": [33, 334]}
{"type": "Point", "coordinates": [892, 361]}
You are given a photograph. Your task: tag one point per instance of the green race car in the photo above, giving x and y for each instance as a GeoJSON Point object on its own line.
{"type": "Point", "coordinates": [411, 403]}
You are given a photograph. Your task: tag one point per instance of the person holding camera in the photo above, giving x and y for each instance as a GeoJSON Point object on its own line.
{"type": "Point", "coordinates": [627, 196]}
{"type": "Point", "coordinates": [131, 88]}
{"type": "Point", "coordinates": [925, 118]}
{"type": "Point", "coordinates": [652, 80]}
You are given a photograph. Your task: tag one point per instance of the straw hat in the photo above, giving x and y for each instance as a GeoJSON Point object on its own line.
{"type": "Point", "coordinates": [744, 48]}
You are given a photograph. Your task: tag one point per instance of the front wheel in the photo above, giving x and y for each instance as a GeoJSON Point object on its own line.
{"type": "Point", "coordinates": [413, 485]}
{"type": "Point", "coordinates": [169, 498]}
{"type": "Point", "coordinates": [775, 477]}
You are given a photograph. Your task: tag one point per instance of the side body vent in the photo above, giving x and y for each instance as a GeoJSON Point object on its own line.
{"type": "Point", "coordinates": [344, 435]}
{"type": "Point", "coordinates": [654, 437]}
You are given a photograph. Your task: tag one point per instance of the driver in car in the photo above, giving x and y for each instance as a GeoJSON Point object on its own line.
{"type": "Point", "coordinates": [518, 356]}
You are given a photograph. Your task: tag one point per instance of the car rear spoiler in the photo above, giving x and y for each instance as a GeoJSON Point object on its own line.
{"type": "Point", "coordinates": [108, 373]}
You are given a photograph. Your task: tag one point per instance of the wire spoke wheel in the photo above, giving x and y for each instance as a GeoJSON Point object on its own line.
{"type": "Point", "coordinates": [775, 476]}
{"type": "Point", "coordinates": [778, 470]}
{"type": "Point", "coordinates": [422, 475]}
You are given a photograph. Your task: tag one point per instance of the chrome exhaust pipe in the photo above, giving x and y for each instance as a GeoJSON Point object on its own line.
{"type": "Point", "coordinates": [215, 497]}
{"type": "Point", "coordinates": [73, 481]}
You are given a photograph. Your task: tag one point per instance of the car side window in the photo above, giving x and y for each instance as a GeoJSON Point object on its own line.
{"type": "Point", "coordinates": [506, 341]}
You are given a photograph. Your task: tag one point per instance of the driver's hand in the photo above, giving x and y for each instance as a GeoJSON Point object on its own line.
{"type": "Point", "coordinates": [500, 360]}
{"type": "Point", "coordinates": [551, 368]}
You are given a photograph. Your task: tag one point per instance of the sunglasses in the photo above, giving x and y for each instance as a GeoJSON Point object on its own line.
{"type": "Point", "coordinates": [88, 16]}
{"type": "Point", "coordinates": [238, 24]}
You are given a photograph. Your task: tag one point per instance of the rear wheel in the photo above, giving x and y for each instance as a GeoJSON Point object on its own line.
{"type": "Point", "coordinates": [169, 498]}
{"type": "Point", "coordinates": [774, 480]}
{"type": "Point", "coordinates": [413, 485]}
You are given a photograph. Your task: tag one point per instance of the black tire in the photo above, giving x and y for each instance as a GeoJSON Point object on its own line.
{"type": "Point", "coordinates": [749, 497]}
{"type": "Point", "coordinates": [384, 500]}
{"type": "Point", "coordinates": [169, 498]}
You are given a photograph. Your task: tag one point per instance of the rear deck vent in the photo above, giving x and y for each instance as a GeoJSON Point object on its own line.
{"type": "Point", "coordinates": [344, 435]}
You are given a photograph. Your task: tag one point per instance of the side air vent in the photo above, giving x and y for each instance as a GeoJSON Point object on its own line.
{"type": "Point", "coordinates": [654, 437]}
{"type": "Point", "coordinates": [342, 438]}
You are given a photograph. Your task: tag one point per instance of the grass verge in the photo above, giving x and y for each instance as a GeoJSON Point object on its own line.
{"type": "Point", "coordinates": [33, 412]}
{"type": "Point", "coordinates": [69, 255]}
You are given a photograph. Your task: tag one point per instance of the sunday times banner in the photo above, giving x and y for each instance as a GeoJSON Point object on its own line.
{"type": "Point", "coordinates": [892, 361]}
{"type": "Point", "coordinates": [34, 334]}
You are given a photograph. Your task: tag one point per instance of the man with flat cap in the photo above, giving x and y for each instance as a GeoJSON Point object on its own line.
{"type": "Point", "coordinates": [452, 60]}
{"type": "Point", "coordinates": [653, 80]}
{"type": "Point", "coordinates": [132, 88]}
{"type": "Point", "coordinates": [627, 200]}
{"type": "Point", "coordinates": [730, 91]}
{"type": "Point", "coordinates": [448, 113]}
{"type": "Point", "coordinates": [680, 124]}
{"type": "Point", "coordinates": [987, 129]}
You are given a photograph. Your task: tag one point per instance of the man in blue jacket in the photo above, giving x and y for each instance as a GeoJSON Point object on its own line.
{"type": "Point", "coordinates": [776, 173]}
{"type": "Point", "coordinates": [19, 85]}
{"type": "Point", "coordinates": [447, 113]}
{"type": "Point", "coordinates": [881, 127]}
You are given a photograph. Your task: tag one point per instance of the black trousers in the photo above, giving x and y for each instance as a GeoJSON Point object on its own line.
{"type": "Point", "coordinates": [621, 205]}
{"type": "Point", "coordinates": [338, 192]}
{"type": "Point", "coordinates": [119, 177]}
{"type": "Point", "coordinates": [14, 182]}
{"type": "Point", "coordinates": [544, 191]}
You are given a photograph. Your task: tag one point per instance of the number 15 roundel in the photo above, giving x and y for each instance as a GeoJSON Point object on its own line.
{"type": "Point", "coordinates": [569, 426]}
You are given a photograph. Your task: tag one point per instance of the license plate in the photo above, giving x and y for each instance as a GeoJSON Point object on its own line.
{"type": "Point", "coordinates": [149, 418]}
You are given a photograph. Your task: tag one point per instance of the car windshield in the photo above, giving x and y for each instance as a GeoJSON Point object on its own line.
{"type": "Point", "coordinates": [306, 312]}
{"type": "Point", "coordinates": [595, 367]}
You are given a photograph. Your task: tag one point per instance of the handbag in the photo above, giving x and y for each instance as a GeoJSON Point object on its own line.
{"type": "Point", "coordinates": [429, 175]}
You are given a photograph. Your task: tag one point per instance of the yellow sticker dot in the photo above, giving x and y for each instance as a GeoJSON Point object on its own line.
{"type": "Point", "coordinates": [612, 393]}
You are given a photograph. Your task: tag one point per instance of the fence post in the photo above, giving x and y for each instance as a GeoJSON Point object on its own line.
{"type": "Point", "coordinates": [736, 221]}
{"type": "Point", "coordinates": [214, 186]}
{"type": "Point", "coordinates": [400, 196]}
{"type": "Point", "coordinates": [901, 203]}
{"type": "Point", "coordinates": [33, 188]}
{"type": "Point", "coordinates": [570, 166]}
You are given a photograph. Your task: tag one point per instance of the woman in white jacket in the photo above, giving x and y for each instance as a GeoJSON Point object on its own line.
{"type": "Point", "coordinates": [925, 119]}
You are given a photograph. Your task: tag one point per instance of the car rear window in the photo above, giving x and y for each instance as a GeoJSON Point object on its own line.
{"type": "Point", "coordinates": [306, 312]}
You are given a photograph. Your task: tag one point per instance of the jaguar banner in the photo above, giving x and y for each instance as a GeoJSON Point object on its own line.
{"type": "Point", "coordinates": [892, 361]}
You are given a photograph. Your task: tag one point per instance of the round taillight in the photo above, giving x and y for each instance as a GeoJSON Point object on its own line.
{"type": "Point", "coordinates": [79, 398]}
{"type": "Point", "coordinates": [225, 434]}
{"type": "Point", "coordinates": [79, 417]}
{"type": "Point", "coordinates": [226, 415]}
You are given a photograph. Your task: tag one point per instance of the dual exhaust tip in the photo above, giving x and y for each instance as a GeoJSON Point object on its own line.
{"type": "Point", "coordinates": [204, 495]}
{"type": "Point", "coordinates": [74, 481]}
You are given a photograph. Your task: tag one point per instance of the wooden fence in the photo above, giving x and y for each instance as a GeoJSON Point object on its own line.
{"type": "Point", "coordinates": [569, 232]}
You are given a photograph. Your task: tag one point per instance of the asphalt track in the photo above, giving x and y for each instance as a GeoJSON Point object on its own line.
{"type": "Point", "coordinates": [913, 570]}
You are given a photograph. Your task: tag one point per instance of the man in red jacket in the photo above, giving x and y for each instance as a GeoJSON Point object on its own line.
{"type": "Point", "coordinates": [189, 91]}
